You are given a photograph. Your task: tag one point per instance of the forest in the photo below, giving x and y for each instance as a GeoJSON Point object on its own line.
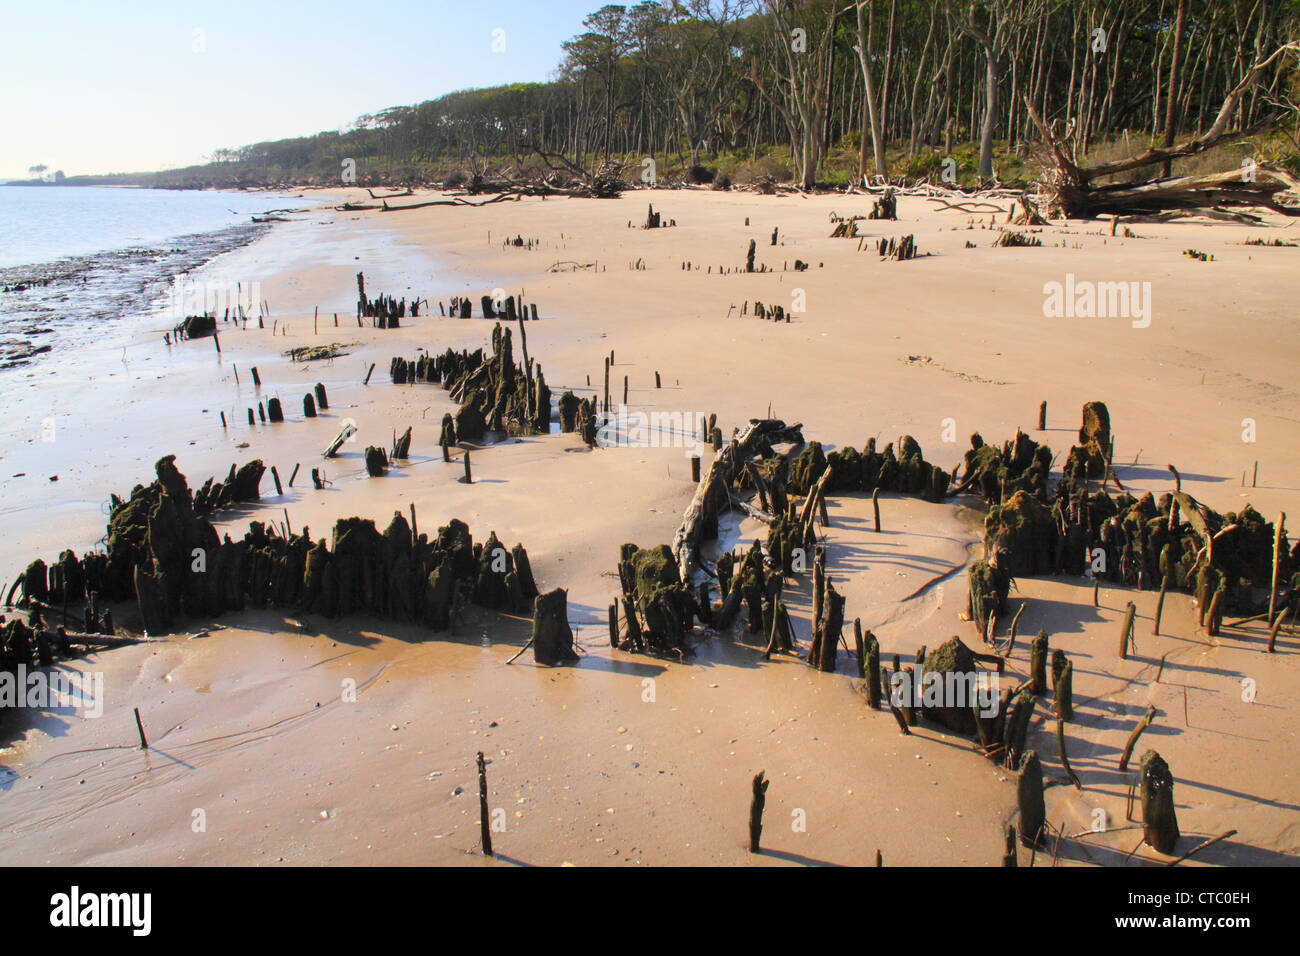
{"type": "Point", "coordinates": [824, 93]}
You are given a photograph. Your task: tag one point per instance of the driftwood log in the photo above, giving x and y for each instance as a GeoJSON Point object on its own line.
{"type": "Point", "coordinates": [759, 434]}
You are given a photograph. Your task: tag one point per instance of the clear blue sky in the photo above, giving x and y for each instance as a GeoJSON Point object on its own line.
{"type": "Point", "coordinates": [96, 87]}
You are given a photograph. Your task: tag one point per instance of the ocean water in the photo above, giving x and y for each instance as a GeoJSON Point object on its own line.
{"type": "Point", "coordinates": [73, 258]}
{"type": "Point", "coordinates": [42, 223]}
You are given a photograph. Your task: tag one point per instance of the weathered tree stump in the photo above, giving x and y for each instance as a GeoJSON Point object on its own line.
{"type": "Point", "coordinates": [1063, 690]}
{"type": "Point", "coordinates": [402, 446]}
{"type": "Point", "coordinates": [1029, 797]}
{"type": "Point", "coordinates": [1038, 664]}
{"type": "Point", "coordinates": [376, 461]}
{"type": "Point", "coordinates": [552, 636]}
{"type": "Point", "coordinates": [1159, 819]}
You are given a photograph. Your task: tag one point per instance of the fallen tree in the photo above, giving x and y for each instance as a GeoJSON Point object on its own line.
{"type": "Point", "coordinates": [1071, 190]}
{"type": "Point", "coordinates": [711, 491]}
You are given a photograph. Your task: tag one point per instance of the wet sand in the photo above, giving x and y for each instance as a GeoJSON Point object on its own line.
{"type": "Point", "coordinates": [587, 770]}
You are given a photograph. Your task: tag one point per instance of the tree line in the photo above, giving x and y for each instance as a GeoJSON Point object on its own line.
{"type": "Point", "coordinates": [805, 87]}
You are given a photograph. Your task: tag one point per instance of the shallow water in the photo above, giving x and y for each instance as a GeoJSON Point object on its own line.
{"type": "Point", "coordinates": [72, 258]}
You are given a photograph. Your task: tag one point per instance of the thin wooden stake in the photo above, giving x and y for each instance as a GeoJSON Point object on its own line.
{"type": "Point", "coordinates": [756, 811]}
{"type": "Point", "coordinates": [1142, 725]}
{"type": "Point", "coordinates": [484, 824]}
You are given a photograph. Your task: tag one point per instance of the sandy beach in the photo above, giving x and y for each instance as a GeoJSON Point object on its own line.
{"type": "Point", "coordinates": [626, 759]}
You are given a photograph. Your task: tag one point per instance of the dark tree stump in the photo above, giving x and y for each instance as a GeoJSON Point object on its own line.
{"type": "Point", "coordinates": [1159, 821]}
{"type": "Point", "coordinates": [552, 636]}
{"type": "Point", "coordinates": [1029, 796]}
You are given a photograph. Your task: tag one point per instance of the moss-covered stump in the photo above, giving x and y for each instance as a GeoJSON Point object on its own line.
{"type": "Point", "coordinates": [784, 539]}
{"type": "Point", "coordinates": [495, 393]}
{"type": "Point", "coordinates": [168, 559]}
{"type": "Point", "coordinates": [1038, 652]}
{"type": "Point", "coordinates": [989, 586]}
{"type": "Point", "coordinates": [552, 636]}
{"type": "Point", "coordinates": [997, 474]}
{"type": "Point", "coordinates": [1063, 689]}
{"type": "Point", "coordinates": [652, 585]}
{"type": "Point", "coordinates": [1015, 728]}
{"type": "Point", "coordinates": [1096, 425]}
{"type": "Point", "coordinates": [826, 638]}
{"type": "Point", "coordinates": [806, 468]}
{"type": "Point", "coordinates": [1029, 798]}
{"type": "Point", "coordinates": [948, 696]}
{"type": "Point", "coordinates": [1159, 820]}
{"type": "Point", "coordinates": [1021, 535]}
{"type": "Point", "coordinates": [447, 436]}
{"type": "Point", "coordinates": [569, 406]}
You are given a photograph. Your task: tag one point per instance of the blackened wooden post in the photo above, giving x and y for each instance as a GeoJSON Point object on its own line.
{"type": "Point", "coordinates": [144, 744]}
{"type": "Point", "coordinates": [1160, 605]}
{"type": "Point", "coordinates": [251, 419]}
{"type": "Point", "coordinates": [624, 389]}
{"type": "Point", "coordinates": [695, 469]}
{"type": "Point", "coordinates": [257, 379]}
{"type": "Point", "coordinates": [1159, 821]}
{"type": "Point", "coordinates": [484, 824]}
{"type": "Point", "coordinates": [469, 477]}
{"type": "Point", "coordinates": [875, 505]}
{"type": "Point", "coordinates": [1277, 548]}
{"type": "Point", "coordinates": [1009, 854]}
{"type": "Point", "coordinates": [223, 420]}
{"type": "Point", "coordinates": [1042, 417]}
{"type": "Point", "coordinates": [372, 368]}
{"type": "Point", "coordinates": [276, 476]}
{"type": "Point", "coordinates": [1126, 631]}
{"type": "Point", "coordinates": [859, 647]}
{"type": "Point", "coordinates": [873, 671]}
{"type": "Point", "coordinates": [756, 811]}
{"type": "Point", "coordinates": [656, 379]}
{"type": "Point", "coordinates": [1142, 725]}
{"type": "Point", "coordinates": [613, 624]}
{"type": "Point", "coordinates": [295, 473]}
{"type": "Point", "coordinates": [308, 406]}
{"type": "Point", "coordinates": [321, 401]}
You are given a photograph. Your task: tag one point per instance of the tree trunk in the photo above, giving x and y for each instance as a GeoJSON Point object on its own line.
{"type": "Point", "coordinates": [1171, 96]}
